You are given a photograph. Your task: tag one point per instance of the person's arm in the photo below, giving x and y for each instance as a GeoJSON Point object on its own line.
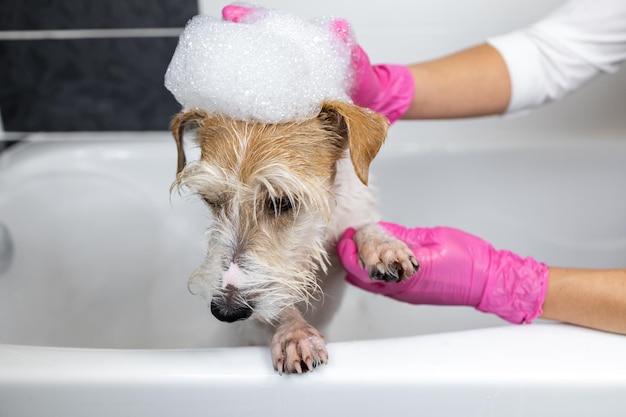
{"type": "Point", "coordinates": [457, 268]}
{"type": "Point", "coordinates": [593, 298]}
{"type": "Point", "coordinates": [473, 82]}
{"type": "Point", "coordinates": [509, 73]}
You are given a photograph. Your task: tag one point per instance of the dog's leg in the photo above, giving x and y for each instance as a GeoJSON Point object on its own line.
{"type": "Point", "coordinates": [384, 256]}
{"type": "Point", "coordinates": [296, 345]}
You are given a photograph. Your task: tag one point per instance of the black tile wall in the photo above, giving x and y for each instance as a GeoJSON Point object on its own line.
{"type": "Point", "coordinates": [94, 14]}
{"type": "Point", "coordinates": [91, 83]}
{"type": "Point", "coordinates": [86, 84]}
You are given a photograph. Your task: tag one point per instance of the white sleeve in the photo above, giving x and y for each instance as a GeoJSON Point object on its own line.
{"type": "Point", "coordinates": [557, 55]}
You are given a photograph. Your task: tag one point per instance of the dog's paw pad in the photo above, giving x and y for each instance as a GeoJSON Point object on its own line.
{"type": "Point", "coordinates": [298, 349]}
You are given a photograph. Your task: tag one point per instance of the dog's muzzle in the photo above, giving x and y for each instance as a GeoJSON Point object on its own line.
{"type": "Point", "coordinates": [230, 307]}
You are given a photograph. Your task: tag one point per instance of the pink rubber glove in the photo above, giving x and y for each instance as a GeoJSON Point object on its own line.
{"type": "Point", "coordinates": [457, 268]}
{"type": "Point", "coordinates": [386, 89]}
{"type": "Point", "coordinates": [234, 13]}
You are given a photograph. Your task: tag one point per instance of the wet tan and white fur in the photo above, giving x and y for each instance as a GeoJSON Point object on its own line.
{"type": "Point", "coordinates": [281, 195]}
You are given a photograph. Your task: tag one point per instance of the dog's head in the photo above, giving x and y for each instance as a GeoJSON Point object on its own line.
{"type": "Point", "coordinates": [270, 188]}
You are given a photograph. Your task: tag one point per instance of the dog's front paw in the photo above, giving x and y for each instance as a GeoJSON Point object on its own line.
{"type": "Point", "coordinates": [385, 257]}
{"type": "Point", "coordinates": [298, 348]}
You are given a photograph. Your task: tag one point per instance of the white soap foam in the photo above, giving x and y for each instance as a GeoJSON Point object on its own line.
{"type": "Point", "coordinates": [272, 67]}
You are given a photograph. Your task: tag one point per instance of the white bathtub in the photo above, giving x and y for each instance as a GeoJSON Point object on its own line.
{"type": "Point", "coordinates": [95, 317]}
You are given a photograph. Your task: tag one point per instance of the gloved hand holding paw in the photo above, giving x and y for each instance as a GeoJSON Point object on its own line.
{"type": "Point", "coordinates": [457, 268]}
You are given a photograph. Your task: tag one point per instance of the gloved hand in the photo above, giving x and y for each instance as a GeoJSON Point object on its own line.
{"type": "Point", "coordinates": [386, 89]}
{"type": "Point", "coordinates": [457, 268]}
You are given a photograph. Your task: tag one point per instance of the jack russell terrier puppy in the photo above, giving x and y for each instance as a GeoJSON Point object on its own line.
{"type": "Point", "coordinates": [280, 196]}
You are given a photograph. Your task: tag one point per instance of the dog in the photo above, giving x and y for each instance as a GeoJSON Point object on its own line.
{"type": "Point", "coordinates": [280, 196]}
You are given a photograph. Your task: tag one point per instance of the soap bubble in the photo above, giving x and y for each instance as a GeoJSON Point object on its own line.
{"type": "Point", "coordinates": [272, 67]}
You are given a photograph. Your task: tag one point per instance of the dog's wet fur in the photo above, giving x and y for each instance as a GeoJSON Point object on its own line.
{"type": "Point", "coordinates": [280, 196]}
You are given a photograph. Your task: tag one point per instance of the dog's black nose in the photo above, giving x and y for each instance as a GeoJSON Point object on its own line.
{"type": "Point", "coordinates": [229, 313]}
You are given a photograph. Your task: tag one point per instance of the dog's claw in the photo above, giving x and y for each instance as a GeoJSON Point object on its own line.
{"type": "Point", "coordinates": [278, 366]}
{"type": "Point", "coordinates": [416, 264]}
{"type": "Point", "coordinates": [387, 276]}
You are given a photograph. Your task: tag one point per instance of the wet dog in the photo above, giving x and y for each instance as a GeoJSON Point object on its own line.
{"type": "Point", "coordinates": [280, 196]}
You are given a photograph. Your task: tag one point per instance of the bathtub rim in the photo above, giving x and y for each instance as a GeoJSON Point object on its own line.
{"type": "Point", "coordinates": [525, 354]}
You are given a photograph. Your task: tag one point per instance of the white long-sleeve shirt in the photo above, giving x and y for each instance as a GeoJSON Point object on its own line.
{"type": "Point", "coordinates": [557, 55]}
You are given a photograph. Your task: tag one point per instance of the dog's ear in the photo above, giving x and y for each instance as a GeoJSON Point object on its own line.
{"type": "Point", "coordinates": [182, 121]}
{"type": "Point", "coordinates": [362, 129]}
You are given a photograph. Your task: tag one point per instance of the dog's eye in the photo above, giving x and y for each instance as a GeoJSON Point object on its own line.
{"type": "Point", "coordinates": [215, 203]}
{"type": "Point", "coordinates": [280, 205]}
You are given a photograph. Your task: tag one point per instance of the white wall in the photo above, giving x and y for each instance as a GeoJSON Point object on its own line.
{"type": "Point", "coordinates": [402, 31]}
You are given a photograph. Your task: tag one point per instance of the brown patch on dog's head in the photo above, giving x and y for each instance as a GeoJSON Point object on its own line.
{"type": "Point", "coordinates": [315, 143]}
{"type": "Point", "coordinates": [363, 131]}
{"type": "Point", "coordinates": [182, 121]}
